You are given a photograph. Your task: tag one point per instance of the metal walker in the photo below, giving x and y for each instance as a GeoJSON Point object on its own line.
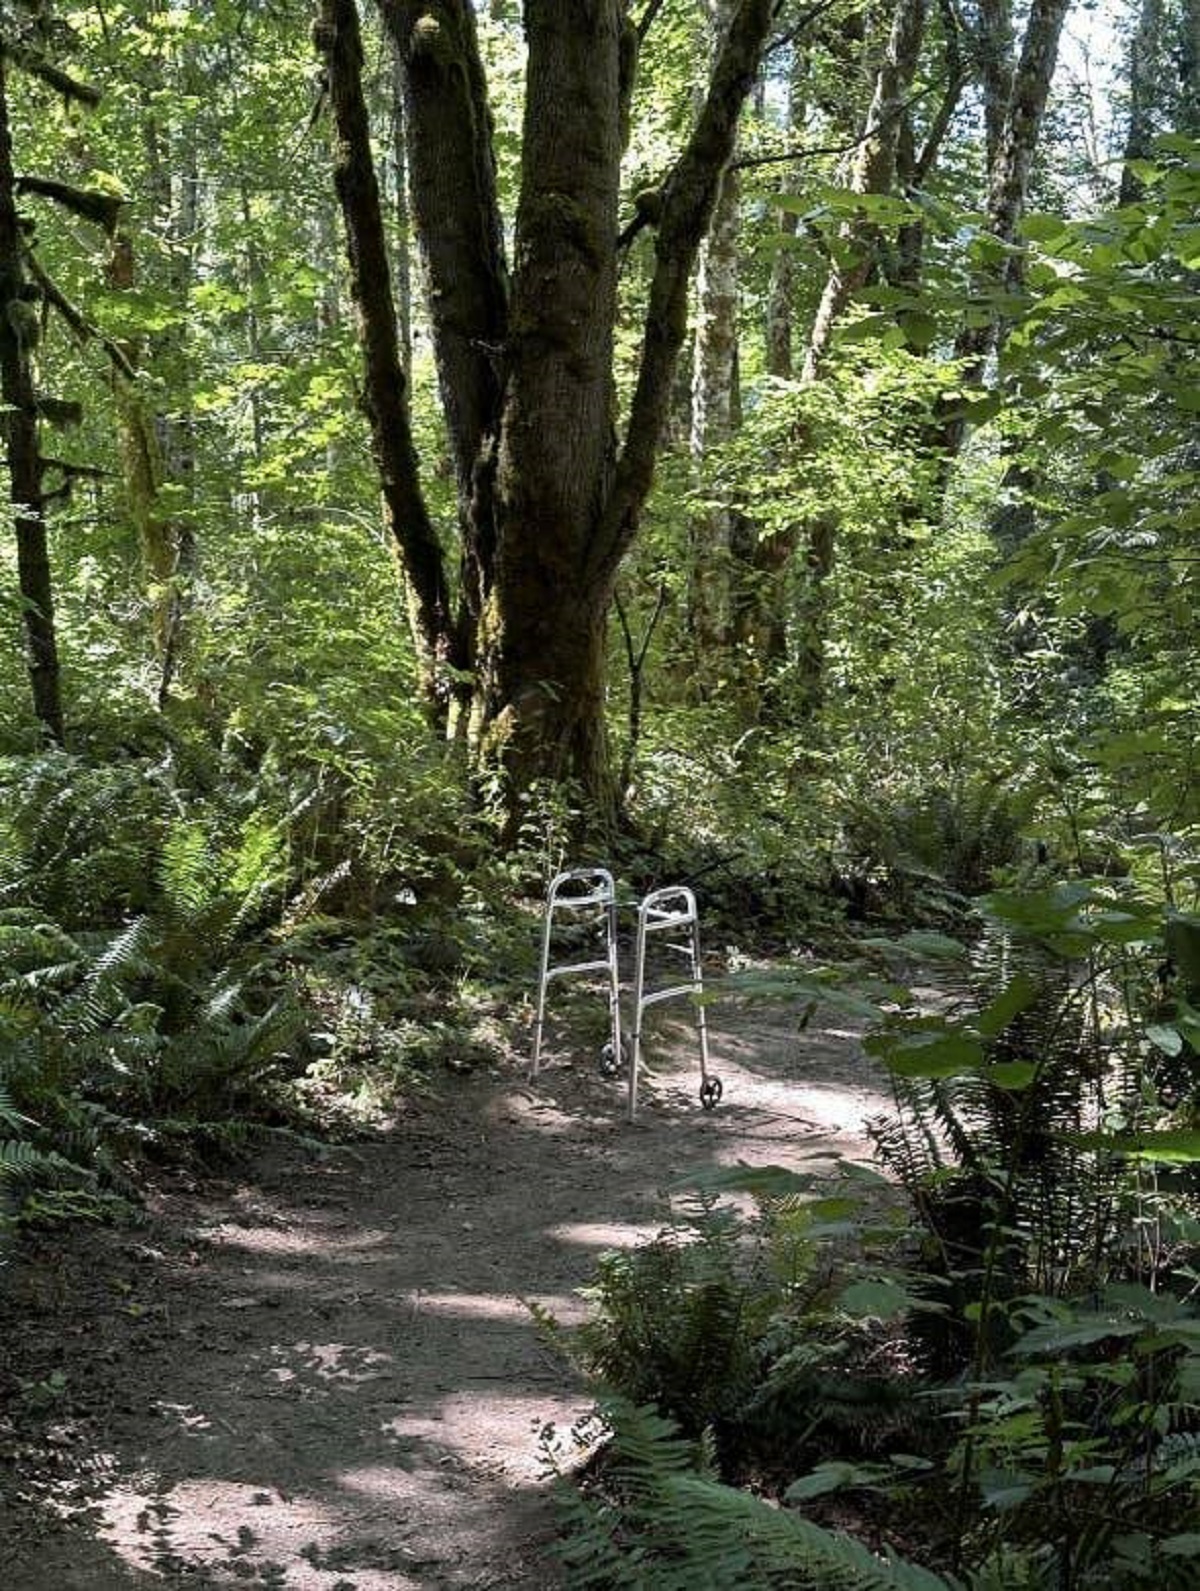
{"type": "Point", "coordinates": [671, 910]}
{"type": "Point", "coordinates": [582, 889]}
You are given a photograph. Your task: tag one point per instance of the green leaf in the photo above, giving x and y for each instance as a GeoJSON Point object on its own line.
{"type": "Point", "coordinates": [919, 942]}
{"type": "Point", "coordinates": [919, 329]}
{"type": "Point", "coordinates": [882, 1300]}
{"type": "Point", "coordinates": [1078, 1333]}
{"type": "Point", "coordinates": [1093, 1475]}
{"type": "Point", "coordinates": [1183, 947]}
{"type": "Point", "coordinates": [1018, 996]}
{"type": "Point", "coordinates": [947, 1052]}
{"type": "Point", "coordinates": [1014, 1076]}
{"type": "Point", "coordinates": [1039, 227]}
{"type": "Point", "coordinates": [1175, 1146]}
{"type": "Point", "coordinates": [1002, 1490]}
{"type": "Point", "coordinates": [828, 1477]}
{"type": "Point", "coordinates": [1167, 1039]}
{"type": "Point", "coordinates": [1184, 1546]}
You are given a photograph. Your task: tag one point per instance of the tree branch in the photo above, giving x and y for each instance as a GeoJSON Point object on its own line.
{"type": "Point", "coordinates": [73, 317]}
{"type": "Point", "coordinates": [90, 204]}
{"type": "Point", "coordinates": [338, 40]}
{"type": "Point", "coordinates": [647, 19]}
{"type": "Point", "coordinates": [36, 64]}
{"type": "Point", "coordinates": [749, 162]}
{"type": "Point", "coordinates": [790, 35]}
{"type": "Point", "coordinates": [688, 200]}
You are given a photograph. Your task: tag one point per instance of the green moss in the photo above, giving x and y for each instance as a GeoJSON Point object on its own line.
{"type": "Point", "coordinates": [571, 224]}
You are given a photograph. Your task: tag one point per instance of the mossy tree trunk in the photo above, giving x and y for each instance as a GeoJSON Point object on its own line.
{"type": "Point", "coordinates": [549, 498]}
{"type": "Point", "coordinates": [714, 411]}
{"type": "Point", "coordinates": [338, 39]}
{"type": "Point", "coordinates": [19, 328]}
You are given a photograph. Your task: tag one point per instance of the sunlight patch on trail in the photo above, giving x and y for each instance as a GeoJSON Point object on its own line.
{"type": "Point", "coordinates": [602, 1234]}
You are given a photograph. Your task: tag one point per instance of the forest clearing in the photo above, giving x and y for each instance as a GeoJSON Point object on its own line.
{"type": "Point", "coordinates": [746, 450]}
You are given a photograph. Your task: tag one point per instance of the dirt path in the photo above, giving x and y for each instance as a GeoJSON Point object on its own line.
{"type": "Point", "coordinates": [325, 1379]}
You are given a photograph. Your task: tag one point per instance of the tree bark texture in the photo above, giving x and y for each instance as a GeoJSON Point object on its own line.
{"type": "Point", "coordinates": [19, 326]}
{"type": "Point", "coordinates": [873, 172]}
{"type": "Point", "coordinates": [168, 453]}
{"type": "Point", "coordinates": [782, 284]}
{"type": "Point", "coordinates": [993, 53]}
{"type": "Point", "coordinates": [1147, 87]}
{"type": "Point", "coordinates": [762, 589]}
{"type": "Point", "coordinates": [142, 463]}
{"type": "Point", "coordinates": [914, 164]}
{"type": "Point", "coordinates": [714, 406]}
{"type": "Point", "coordinates": [1188, 115]}
{"type": "Point", "coordinates": [402, 252]}
{"type": "Point", "coordinates": [339, 41]}
{"type": "Point", "coordinates": [548, 503]}
{"type": "Point", "coordinates": [542, 666]}
{"type": "Point", "coordinates": [460, 232]}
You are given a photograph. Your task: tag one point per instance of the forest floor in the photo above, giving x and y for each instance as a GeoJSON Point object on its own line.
{"type": "Point", "coordinates": [322, 1375]}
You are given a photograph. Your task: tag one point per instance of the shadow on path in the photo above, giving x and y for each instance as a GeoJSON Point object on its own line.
{"type": "Point", "coordinates": [326, 1379]}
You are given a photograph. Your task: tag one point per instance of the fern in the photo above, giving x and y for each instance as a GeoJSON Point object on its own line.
{"type": "Point", "coordinates": [677, 1321]}
{"type": "Point", "coordinates": [665, 1525]}
{"type": "Point", "coordinates": [21, 1162]}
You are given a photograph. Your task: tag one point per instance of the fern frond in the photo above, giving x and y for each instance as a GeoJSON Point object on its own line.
{"type": "Point", "coordinates": [674, 1528]}
{"type": "Point", "coordinates": [20, 1162]}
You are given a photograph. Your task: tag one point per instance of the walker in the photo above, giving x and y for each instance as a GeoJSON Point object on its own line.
{"type": "Point", "coordinates": [582, 889]}
{"type": "Point", "coordinates": [671, 910]}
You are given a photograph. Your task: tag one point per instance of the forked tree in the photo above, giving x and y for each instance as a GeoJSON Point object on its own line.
{"type": "Point", "coordinates": [549, 497]}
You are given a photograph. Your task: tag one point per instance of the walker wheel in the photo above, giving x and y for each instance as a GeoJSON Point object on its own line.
{"type": "Point", "coordinates": [710, 1092]}
{"type": "Point", "coordinates": [610, 1061]}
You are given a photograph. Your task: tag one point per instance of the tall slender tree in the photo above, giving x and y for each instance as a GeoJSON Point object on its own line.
{"type": "Point", "coordinates": [24, 290]}
{"type": "Point", "coordinates": [19, 330]}
{"type": "Point", "coordinates": [714, 405]}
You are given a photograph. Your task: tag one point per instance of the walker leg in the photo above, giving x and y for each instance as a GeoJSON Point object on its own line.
{"type": "Point", "coordinates": [701, 1019]}
{"type": "Point", "coordinates": [539, 1023]}
{"type": "Point", "coordinates": [639, 974]}
{"type": "Point", "coordinates": [710, 1087]}
{"type": "Point", "coordinates": [614, 986]}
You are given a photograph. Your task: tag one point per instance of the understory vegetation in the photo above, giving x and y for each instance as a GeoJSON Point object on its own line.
{"type": "Point", "coordinates": [982, 1361]}
{"type": "Point", "coordinates": [895, 663]}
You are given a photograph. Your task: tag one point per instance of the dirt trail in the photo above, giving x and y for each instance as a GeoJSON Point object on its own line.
{"type": "Point", "coordinates": [325, 1379]}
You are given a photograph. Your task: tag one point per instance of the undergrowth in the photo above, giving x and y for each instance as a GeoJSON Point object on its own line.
{"type": "Point", "coordinates": [988, 1377]}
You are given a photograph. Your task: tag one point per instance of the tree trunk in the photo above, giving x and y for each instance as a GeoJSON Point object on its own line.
{"type": "Point", "coordinates": [914, 165]}
{"type": "Point", "coordinates": [713, 409]}
{"type": "Point", "coordinates": [168, 454]}
{"type": "Point", "coordinates": [873, 172]}
{"type": "Point", "coordinates": [19, 327]}
{"type": "Point", "coordinates": [1188, 115]}
{"type": "Point", "coordinates": [142, 463]}
{"type": "Point", "coordinates": [781, 287]}
{"type": "Point", "coordinates": [542, 656]}
{"type": "Point", "coordinates": [761, 584]}
{"type": "Point", "coordinates": [1147, 83]}
{"type": "Point", "coordinates": [452, 183]}
{"type": "Point", "coordinates": [401, 252]}
{"type": "Point", "coordinates": [993, 50]}
{"type": "Point", "coordinates": [1008, 187]}
{"type": "Point", "coordinates": [548, 504]}
{"type": "Point", "coordinates": [339, 40]}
